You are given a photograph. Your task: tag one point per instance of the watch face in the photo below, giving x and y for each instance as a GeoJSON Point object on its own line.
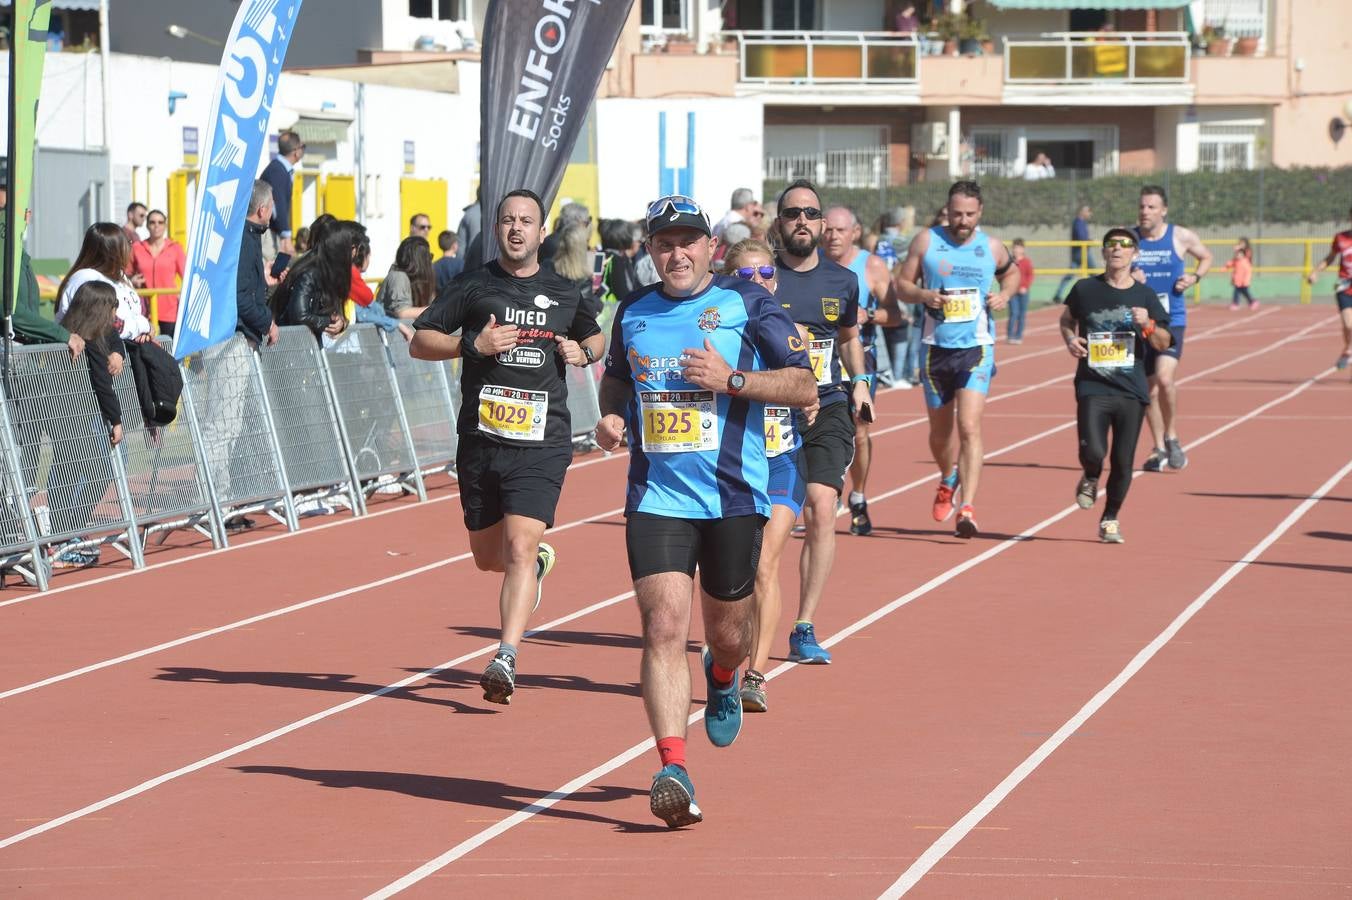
{"type": "Point", "coordinates": [736, 381]}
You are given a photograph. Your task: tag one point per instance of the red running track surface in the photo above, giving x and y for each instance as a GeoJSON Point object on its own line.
{"type": "Point", "coordinates": [1027, 714]}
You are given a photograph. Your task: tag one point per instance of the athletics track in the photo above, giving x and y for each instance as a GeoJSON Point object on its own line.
{"type": "Point", "coordinates": [1027, 714]}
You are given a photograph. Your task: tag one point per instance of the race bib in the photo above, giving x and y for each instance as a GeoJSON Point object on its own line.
{"type": "Point", "coordinates": [1112, 349]}
{"type": "Point", "coordinates": [678, 421]}
{"type": "Point", "coordinates": [779, 437]}
{"type": "Point", "coordinates": [510, 413]}
{"type": "Point", "coordinates": [961, 304]}
{"type": "Point", "coordinates": [819, 353]}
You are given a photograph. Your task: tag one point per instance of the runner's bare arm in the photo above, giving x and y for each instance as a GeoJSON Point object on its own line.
{"type": "Point", "coordinates": [1009, 280]}
{"type": "Point", "coordinates": [909, 272]}
{"type": "Point", "coordinates": [1074, 343]}
{"type": "Point", "coordinates": [1160, 338]}
{"type": "Point", "coordinates": [433, 345]}
{"type": "Point", "coordinates": [851, 351]}
{"type": "Point", "coordinates": [889, 313]}
{"type": "Point", "coordinates": [614, 397]}
{"type": "Point", "coordinates": [1189, 243]}
{"type": "Point", "coordinates": [1322, 265]}
{"type": "Point", "coordinates": [792, 386]}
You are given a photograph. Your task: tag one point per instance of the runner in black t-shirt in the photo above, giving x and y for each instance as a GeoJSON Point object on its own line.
{"type": "Point", "coordinates": [519, 326]}
{"type": "Point", "coordinates": [823, 297]}
{"type": "Point", "coordinates": [1107, 323]}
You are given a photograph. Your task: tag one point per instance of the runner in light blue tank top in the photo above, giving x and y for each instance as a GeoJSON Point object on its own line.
{"type": "Point", "coordinates": [1163, 248]}
{"type": "Point", "coordinates": [958, 263]}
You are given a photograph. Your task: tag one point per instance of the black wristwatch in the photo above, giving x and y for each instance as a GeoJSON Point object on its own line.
{"type": "Point", "coordinates": [872, 314]}
{"type": "Point", "coordinates": [736, 381]}
{"type": "Point", "coordinates": [586, 351]}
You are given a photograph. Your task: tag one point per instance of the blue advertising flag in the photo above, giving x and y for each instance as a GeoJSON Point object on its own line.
{"type": "Point", "coordinates": [236, 134]}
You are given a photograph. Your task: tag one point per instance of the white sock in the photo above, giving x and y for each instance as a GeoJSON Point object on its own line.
{"type": "Point", "coordinates": [856, 497]}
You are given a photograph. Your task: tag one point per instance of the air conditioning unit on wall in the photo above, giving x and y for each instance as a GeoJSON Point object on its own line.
{"type": "Point", "coordinates": [930, 139]}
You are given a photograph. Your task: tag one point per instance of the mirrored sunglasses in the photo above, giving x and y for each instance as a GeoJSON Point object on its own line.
{"type": "Point", "coordinates": [675, 203]}
{"type": "Point", "coordinates": [811, 213]}
{"type": "Point", "coordinates": [1126, 243]}
{"type": "Point", "coordinates": [749, 272]}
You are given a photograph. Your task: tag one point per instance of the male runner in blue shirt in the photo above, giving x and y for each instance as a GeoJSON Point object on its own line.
{"type": "Point", "coordinates": [693, 360]}
{"type": "Point", "coordinates": [959, 262]}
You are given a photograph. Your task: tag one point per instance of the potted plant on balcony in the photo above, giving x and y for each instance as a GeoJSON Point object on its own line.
{"type": "Point", "coordinates": [1246, 46]}
{"type": "Point", "coordinates": [1215, 41]}
{"type": "Point", "coordinates": [971, 35]}
{"type": "Point", "coordinates": [948, 26]}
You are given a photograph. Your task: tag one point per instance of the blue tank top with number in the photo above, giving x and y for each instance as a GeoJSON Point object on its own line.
{"type": "Point", "coordinates": [1163, 267]}
{"type": "Point", "coordinates": [859, 266]}
{"type": "Point", "coordinates": [963, 274]}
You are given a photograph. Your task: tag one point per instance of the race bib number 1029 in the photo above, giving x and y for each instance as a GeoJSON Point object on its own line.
{"type": "Point", "coordinates": [510, 413]}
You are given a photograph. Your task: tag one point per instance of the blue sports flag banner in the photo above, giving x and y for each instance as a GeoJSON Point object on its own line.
{"type": "Point", "coordinates": [236, 134]}
{"type": "Point", "coordinates": [542, 63]}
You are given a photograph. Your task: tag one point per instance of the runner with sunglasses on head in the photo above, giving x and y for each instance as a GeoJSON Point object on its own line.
{"type": "Point", "coordinates": [753, 260]}
{"type": "Point", "coordinates": [878, 308]}
{"type": "Point", "coordinates": [823, 297]}
{"type": "Point", "coordinates": [958, 262]}
{"type": "Point", "coordinates": [1341, 252]}
{"type": "Point", "coordinates": [1163, 250]}
{"type": "Point", "coordinates": [519, 326]}
{"type": "Point", "coordinates": [1108, 323]}
{"type": "Point", "coordinates": [693, 362]}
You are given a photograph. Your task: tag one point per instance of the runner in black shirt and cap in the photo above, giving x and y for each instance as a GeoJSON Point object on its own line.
{"type": "Point", "coordinates": [1107, 323]}
{"type": "Point", "coordinates": [519, 325]}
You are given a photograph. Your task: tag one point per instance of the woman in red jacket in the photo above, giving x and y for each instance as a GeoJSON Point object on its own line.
{"type": "Point", "coordinates": [158, 262]}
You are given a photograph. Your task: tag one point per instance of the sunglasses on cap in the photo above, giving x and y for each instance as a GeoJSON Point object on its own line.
{"type": "Point", "coordinates": [674, 203]}
{"type": "Point", "coordinates": [749, 272]}
{"type": "Point", "coordinates": [811, 213]}
{"type": "Point", "coordinates": [1123, 242]}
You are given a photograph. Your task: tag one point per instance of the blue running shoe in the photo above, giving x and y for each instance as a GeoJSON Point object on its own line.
{"type": "Point", "coordinates": [803, 646]}
{"type": "Point", "coordinates": [723, 711]}
{"type": "Point", "coordinates": [672, 798]}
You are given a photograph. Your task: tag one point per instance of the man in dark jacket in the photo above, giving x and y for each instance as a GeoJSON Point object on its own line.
{"type": "Point", "coordinates": [280, 174]}
{"type": "Point", "coordinates": [253, 318]}
{"type": "Point", "coordinates": [228, 377]}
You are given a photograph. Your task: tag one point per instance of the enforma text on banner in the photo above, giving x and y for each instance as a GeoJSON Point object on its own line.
{"type": "Point", "coordinates": [542, 62]}
{"type": "Point", "coordinates": [235, 137]}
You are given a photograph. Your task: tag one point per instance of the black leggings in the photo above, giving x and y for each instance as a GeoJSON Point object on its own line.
{"type": "Point", "coordinates": [1095, 414]}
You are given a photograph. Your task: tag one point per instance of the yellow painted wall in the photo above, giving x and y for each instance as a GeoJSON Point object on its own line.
{"type": "Point", "coordinates": [426, 196]}
{"type": "Point", "coordinates": [339, 196]}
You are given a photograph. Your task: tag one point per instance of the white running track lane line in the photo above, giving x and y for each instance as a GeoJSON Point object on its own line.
{"type": "Point", "coordinates": [577, 783]}
{"type": "Point", "coordinates": [391, 579]}
{"type": "Point", "coordinates": [950, 838]}
{"type": "Point", "coordinates": [606, 457]}
{"type": "Point", "coordinates": [435, 865]}
{"type": "Point", "coordinates": [348, 520]}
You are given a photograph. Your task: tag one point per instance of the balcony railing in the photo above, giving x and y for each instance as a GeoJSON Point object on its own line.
{"type": "Point", "coordinates": [863, 167]}
{"type": "Point", "coordinates": [1093, 57]}
{"type": "Point", "coordinates": [827, 57]}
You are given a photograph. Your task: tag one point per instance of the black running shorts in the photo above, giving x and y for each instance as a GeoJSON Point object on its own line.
{"type": "Point", "coordinates": [496, 480]}
{"type": "Point", "coordinates": [828, 446]}
{"type": "Point", "coordinates": [727, 551]}
{"type": "Point", "coordinates": [1175, 349]}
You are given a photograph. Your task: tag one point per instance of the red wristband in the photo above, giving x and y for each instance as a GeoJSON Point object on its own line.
{"type": "Point", "coordinates": [1148, 330]}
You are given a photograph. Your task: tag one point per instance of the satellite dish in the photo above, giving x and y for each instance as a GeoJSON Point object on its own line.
{"type": "Point", "coordinates": [1336, 128]}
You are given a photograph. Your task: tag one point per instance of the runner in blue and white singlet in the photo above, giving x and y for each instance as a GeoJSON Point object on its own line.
{"type": "Point", "coordinates": [1164, 248]}
{"type": "Point", "coordinates": [958, 263]}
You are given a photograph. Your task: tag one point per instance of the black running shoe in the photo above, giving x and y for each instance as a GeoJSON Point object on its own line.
{"type": "Point", "coordinates": [859, 520]}
{"type": "Point", "coordinates": [499, 679]}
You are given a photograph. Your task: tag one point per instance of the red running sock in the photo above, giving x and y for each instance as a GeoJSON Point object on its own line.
{"type": "Point", "coordinates": [672, 751]}
{"type": "Point", "coordinates": [723, 677]}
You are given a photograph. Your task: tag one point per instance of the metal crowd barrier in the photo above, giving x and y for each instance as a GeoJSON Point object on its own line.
{"type": "Point", "coordinates": [272, 429]}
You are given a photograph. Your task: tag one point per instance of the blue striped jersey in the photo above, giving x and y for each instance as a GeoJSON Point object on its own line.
{"type": "Point", "coordinates": [963, 274]}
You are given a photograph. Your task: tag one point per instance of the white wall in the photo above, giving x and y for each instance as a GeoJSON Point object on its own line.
{"type": "Point", "coordinates": [443, 126]}
{"type": "Point", "coordinates": [728, 148]}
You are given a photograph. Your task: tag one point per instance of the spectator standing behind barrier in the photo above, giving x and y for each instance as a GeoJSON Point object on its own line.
{"type": "Point", "coordinates": [467, 232]}
{"type": "Point", "coordinates": [573, 262]}
{"type": "Point", "coordinates": [419, 225]}
{"type": "Point", "coordinates": [159, 262]}
{"type": "Point", "coordinates": [1018, 304]}
{"type": "Point", "coordinates": [410, 285]}
{"type": "Point", "coordinates": [743, 207]}
{"type": "Point", "coordinates": [301, 240]}
{"type": "Point", "coordinates": [1079, 231]}
{"type": "Point", "coordinates": [450, 264]}
{"type": "Point", "coordinates": [79, 477]}
{"type": "Point", "coordinates": [1240, 267]}
{"type": "Point", "coordinates": [230, 403]}
{"type": "Point", "coordinates": [898, 225]}
{"type": "Point", "coordinates": [368, 311]}
{"type": "Point", "coordinates": [280, 174]}
{"type": "Point", "coordinates": [317, 286]}
{"type": "Point", "coordinates": [135, 226]}
{"type": "Point", "coordinates": [105, 256]}
{"type": "Point", "coordinates": [30, 325]}
{"type": "Point", "coordinates": [572, 214]}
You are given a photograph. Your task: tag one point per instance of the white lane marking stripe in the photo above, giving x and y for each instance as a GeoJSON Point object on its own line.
{"type": "Point", "coordinates": [435, 865]}
{"type": "Point", "coordinates": [261, 617]}
{"type": "Point", "coordinates": [950, 838]}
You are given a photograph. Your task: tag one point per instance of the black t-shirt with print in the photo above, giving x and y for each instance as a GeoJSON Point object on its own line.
{"type": "Point", "coordinates": [823, 300]}
{"type": "Point", "coordinates": [519, 397]}
{"type": "Point", "coordinates": [1103, 318]}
